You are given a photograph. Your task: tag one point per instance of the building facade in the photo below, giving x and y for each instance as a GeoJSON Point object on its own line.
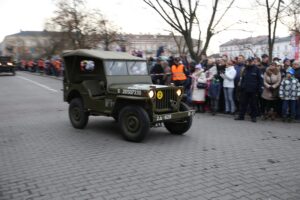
{"type": "Point", "coordinates": [256, 46]}
{"type": "Point", "coordinates": [149, 44]}
{"type": "Point", "coordinates": [36, 44]}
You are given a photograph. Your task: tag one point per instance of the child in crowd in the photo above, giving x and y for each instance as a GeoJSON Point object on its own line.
{"type": "Point", "coordinates": [289, 92]}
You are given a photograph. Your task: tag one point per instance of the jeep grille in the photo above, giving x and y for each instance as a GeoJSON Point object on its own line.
{"type": "Point", "coordinates": [164, 104]}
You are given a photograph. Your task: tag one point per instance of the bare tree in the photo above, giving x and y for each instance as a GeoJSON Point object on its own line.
{"type": "Point", "coordinates": [180, 43]}
{"type": "Point", "coordinates": [181, 15]}
{"type": "Point", "coordinates": [291, 16]}
{"type": "Point", "coordinates": [85, 28]}
{"type": "Point", "coordinates": [274, 8]}
{"type": "Point", "coordinates": [108, 34]}
{"type": "Point", "coordinates": [56, 43]}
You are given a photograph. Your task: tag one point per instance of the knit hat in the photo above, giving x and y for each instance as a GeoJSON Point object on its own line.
{"type": "Point", "coordinates": [286, 59]}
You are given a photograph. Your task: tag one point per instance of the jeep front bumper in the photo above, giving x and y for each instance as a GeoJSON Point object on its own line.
{"type": "Point", "coordinates": [173, 116]}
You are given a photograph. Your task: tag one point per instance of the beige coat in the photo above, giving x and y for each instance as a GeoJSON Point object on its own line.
{"type": "Point", "coordinates": [198, 95]}
{"type": "Point", "coordinates": [274, 81]}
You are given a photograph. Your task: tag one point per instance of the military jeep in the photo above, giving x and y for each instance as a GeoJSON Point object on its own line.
{"type": "Point", "coordinates": [7, 65]}
{"type": "Point", "coordinates": [118, 85]}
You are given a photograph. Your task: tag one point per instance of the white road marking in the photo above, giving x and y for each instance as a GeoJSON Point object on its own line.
{"type": "Point", "coordinates": [38, 84]}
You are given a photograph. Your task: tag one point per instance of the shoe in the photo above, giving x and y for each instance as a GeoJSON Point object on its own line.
{"type": "Point", "coordinates": [239, 118]}
{"type": "Point", "coordinates": [226, 112]}
{"type": "Point", "coordinates": [232, 113]}
{"type": "Point", "coordinates": [253, 119]}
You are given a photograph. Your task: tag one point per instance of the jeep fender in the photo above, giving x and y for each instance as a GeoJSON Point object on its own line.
{"type": "Point", "coordinates": [123, 101]}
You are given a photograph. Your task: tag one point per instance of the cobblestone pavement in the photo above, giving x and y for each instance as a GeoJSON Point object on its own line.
{"type": "Point", "coordinates": [43, 157]}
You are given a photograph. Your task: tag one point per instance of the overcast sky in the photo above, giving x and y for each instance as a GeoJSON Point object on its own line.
{"type": "Point", "coordinates": [132, 16]}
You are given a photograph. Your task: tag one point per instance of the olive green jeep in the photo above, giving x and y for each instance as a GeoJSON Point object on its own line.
{"type": "Point", "coordinates": [118, 85]}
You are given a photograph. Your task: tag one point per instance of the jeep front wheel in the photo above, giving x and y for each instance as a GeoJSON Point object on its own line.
{"type": "Point", "coordinates": [78, 116]}
{"type": "Point", "coordinates": [181, 126]}
{"type": "Point", "coordinates": [134, 123]}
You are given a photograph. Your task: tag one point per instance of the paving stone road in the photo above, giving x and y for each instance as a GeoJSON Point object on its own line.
{"type": "Point", "coordinates": [43, 157]}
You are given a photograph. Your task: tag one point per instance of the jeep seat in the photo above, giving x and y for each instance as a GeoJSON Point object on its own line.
{"type": "Point", "coordinates": [94, 88]}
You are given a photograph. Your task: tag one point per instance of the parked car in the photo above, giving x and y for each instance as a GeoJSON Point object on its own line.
{"type": "Point", "coordinates": [7, 65]}
{"type": "Point", "coordinates": [118, 85]}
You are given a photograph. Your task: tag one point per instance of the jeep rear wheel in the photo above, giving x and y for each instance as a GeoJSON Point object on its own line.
{"type": "Point", "coordinates": [181, 126]}
{"type": "Point", "coordinates": [78, 116]}
{"type": "Point", "coordinates": [134, 123]}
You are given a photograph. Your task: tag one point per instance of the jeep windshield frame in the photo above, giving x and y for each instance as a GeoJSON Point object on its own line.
{"type": "Point", "coordinates": [125, 68]}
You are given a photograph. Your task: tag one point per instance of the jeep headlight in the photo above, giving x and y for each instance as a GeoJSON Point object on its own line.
{"type": "Point", "coordinates": [179, 92]}
{"type": "Point", "coordinates": [151, 93]}
{"type": "Point", "coordinates": [9, 64]}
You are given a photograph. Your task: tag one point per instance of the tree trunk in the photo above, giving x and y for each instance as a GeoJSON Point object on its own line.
{"type": "Point", "coordinates": [190, 46]}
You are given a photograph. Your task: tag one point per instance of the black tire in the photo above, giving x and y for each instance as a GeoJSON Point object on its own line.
{"type": "Point", "coordinates": [13, 72]}
{"type": "Point", "coordinates": [179, 127]}
{"type": "Point", "coordinates": [78, 116]}
{"type": "Point", "coordinates": [134, 123]}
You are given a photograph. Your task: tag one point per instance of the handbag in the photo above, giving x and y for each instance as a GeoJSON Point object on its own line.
{"type": "Point", "coordinates": [274, 92]}
{"type": "Point", "coordinates": [201, 85]}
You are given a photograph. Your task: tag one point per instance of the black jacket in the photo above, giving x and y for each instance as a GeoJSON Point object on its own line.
{"type": "Point", "coordinates": [251, 79]}
{"type": "Point", "coordinates": [157, 74]}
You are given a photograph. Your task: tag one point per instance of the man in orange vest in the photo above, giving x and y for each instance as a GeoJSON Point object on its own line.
{"type": "Point", "coordinates": [178, 73]}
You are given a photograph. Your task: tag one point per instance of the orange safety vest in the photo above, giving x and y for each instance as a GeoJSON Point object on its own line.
{"type": "Point", "coordinates": [40, 63]}
{"type": "Point", "coordinates": [178, 73]}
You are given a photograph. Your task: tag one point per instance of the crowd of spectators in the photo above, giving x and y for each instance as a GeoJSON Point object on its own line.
{"type": "Point", "coordinates": [52, 67]}
{"type": "Point", "coordinates": [236, 86]}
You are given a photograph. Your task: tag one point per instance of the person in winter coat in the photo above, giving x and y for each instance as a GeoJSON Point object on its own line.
{"type": "Point", "coordinates": [214, 94]}
{"type": "Point", "coordinates": [211, 69]}
{"type": "Point", "coordinates": [289, 92]}
{"type": "Point", "coordinates": [250, 85]}
{"type": "Point", "coordinates": [198, 93]}
{"type": "Point", "coordinates": [296, 67]}
{"type": "Point", "coordinates": [210, 72]}
{"type": "Point", "coordinates": [240, 64]}
{"type": "Point", "coordinates": [157, 72]}
{"type": "Point", "coordinates": [228, 87]}
{"type": "Point", "coordinates": [272, 79]}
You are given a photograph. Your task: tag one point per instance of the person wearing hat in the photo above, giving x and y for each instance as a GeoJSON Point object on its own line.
{"type": "Point", "coordinates": [265, 61]}
{"type": "Point", "coordinates": [251, 86]}
{"type": "Point", "coordinates": [289, 92]}
{"type": "Point", "coordinates": [285, 67]}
